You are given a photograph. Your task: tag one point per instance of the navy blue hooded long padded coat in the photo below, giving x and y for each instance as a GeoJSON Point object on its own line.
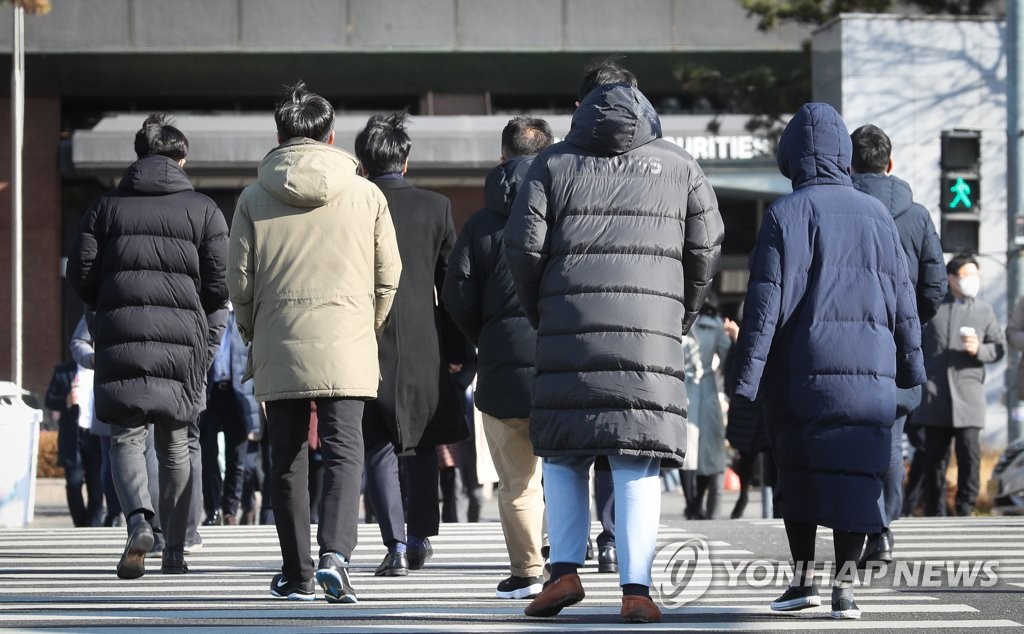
{"type": "Point", "coordinates": [830, 329]}
{"type": "Point", "coordinates": [612, 242]}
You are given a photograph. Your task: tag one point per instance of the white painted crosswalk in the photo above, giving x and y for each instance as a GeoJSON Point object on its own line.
{"type": "Point", "coordinates": [64, 579]}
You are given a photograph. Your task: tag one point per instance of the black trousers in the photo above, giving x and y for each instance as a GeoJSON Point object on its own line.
{"type": "Point", "coordinates": [421, 483]}
{"type": "Point", "coordinates": [383, 483]}
{"type": "Point", "coordinates": [222, 414]}
{"type": "Point", "coordinates": [341, 441]}
{"type": "Point", "coordinates": [413, 497]}
{"type": "Point", "coordinates": [968, 461]}
{"type": "Point", "coordinates": [85, 469]}
{"type": "Point", "coordinates": [604, 503]}
{"type": "Point", "coordinates": [914, 492]}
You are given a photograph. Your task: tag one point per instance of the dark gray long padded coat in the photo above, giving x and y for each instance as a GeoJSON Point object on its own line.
{"type": "Point", "coordinates": [150, 259]}
{"type": "Point", "coordinates": [612, 242]}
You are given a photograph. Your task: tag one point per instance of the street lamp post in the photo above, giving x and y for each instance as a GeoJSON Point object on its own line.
{"type": "Point", "coordinates": [1014, 183]}
{"type": "Point", "coordinates": [17, 142]}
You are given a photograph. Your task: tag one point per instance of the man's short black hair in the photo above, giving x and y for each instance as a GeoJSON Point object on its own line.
{"type": "Point", "coordinates": [958, 261]}
{"type": "Point", "coordinates": [871, 150]}
{"type": "Point", "coordinates": [301, 113]}
{"type": "Point", "coordinates": [158, 136]}
{"type": "Point", "coordinates": [606, 71]}
{"type": "Point", "coordinates": [525, 136]}
{"type": "Point", "coordinates": [383, 145]}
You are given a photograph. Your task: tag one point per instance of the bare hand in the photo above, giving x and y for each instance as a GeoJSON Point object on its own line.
{"type": "Point", "coordinates": [454, 368]}
{"type": "Point", "coordinates": [971, 344]}
{"type": "Point", "coordinates": [731, 328]}
{"type": "Point", "coordinates": [256, 436]}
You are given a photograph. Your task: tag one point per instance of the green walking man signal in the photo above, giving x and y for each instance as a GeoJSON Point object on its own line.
{"type": "Point", "coordinates": [961, 195]}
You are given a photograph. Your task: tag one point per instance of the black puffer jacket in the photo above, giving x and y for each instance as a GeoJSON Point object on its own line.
{"type": "Point", "coordinates": [481, 297]}
{"type": "Point", "coordinates": [612, 242]}
{"type": "Point", "coordinates": [150, 259]}
{"type": "Point", "coordinates": [925, 265]}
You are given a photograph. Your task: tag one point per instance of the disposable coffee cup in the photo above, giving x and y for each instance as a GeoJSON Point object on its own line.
{"type": "Point", "coordinates": [967, 331]}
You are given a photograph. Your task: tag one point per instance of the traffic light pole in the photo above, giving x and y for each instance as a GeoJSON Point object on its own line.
{"type": "Point", "coordinates": [1014, 182]}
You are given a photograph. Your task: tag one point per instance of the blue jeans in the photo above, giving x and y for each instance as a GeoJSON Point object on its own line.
{"type": "Point", "coordinates": [637, 484]}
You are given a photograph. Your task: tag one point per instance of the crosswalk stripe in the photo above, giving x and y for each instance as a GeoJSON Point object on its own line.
{"type": "Point", "coordinates": [228, 586]}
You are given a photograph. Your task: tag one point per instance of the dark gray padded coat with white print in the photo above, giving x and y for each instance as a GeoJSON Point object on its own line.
{"type": "Point", "coordinates": [612, 242]}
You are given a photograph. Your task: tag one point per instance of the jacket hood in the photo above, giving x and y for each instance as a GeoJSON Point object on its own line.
{"type": "Point", "coordinates": [503, 183]}
{"type": "Point", "coordinates": [815, 148]}
{"type": "Point", "coordinates": [154, 174]}
{"type": "Point", "coordinates": [306, 173]}
{"type": "Point", "coordinates": [614, 119]}
{"type": "Point", "coordinates": [894, 192]}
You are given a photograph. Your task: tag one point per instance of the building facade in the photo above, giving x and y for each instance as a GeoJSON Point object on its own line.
{"type": "Point", "coordinates": [916, 77]}
{"type": "Point", "coordinates": [462, 68]}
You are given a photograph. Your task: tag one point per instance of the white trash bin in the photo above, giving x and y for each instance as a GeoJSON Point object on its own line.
{"type": "Point", "coordinates": [19, 451]}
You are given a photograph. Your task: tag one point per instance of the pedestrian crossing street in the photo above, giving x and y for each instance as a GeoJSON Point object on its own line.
{"type": "Point", "coordinates": [64, 579]}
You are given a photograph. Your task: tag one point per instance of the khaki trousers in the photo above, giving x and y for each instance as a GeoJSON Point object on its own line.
{"type": "Point", "coordinates": [520, 494]}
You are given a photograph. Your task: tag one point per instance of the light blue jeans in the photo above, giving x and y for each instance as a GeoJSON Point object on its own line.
{"type": "Point", "coordinates": [637, 511]}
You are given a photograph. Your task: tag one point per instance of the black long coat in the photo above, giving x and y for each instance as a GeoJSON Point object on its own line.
{"type": "Point", "coordinates": [417, 400]}
{"type": "Point", "coordinates": [150, 258]}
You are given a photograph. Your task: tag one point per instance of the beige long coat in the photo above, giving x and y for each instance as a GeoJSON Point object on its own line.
{"type": "Point", "coordinates": [313, 267]}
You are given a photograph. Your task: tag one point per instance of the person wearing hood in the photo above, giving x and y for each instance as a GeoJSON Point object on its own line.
{"type": "Point", "coordinates": [963, 336]}
{"type": "Point", "coordinates": [612, 243]}
{"type": "Point", "coordinates": [872, 167]}
{"type": "Point", "coordinates": [149, 258]}
{"type": "Point", "coordinates": [830, 331]}
{"type": "Point", "coordinates": [481, 297]}
{"type": "Point", "coordinates": [313, 268]}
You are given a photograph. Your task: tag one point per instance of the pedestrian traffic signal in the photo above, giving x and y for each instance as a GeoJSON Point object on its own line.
{"type": "Point", "coordinates": [960, 189]}
{"type": "Point", "coordinates": [960, 193]}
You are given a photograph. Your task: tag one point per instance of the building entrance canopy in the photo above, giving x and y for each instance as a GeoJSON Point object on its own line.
{"type": "Point", "coordinates": [447, 150]}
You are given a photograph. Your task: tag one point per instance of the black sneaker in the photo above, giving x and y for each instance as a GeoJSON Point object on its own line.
{"type": "Point", "coordinates": [843, 605]}
{"type": "Point", "coordinates": [282, 588]}
{"type": "Point", "coordinates": [797, 598]}
{"type": "Point", "coordinates": [520, 587]}
{"type": "Point", "coordinates": [332, 575]}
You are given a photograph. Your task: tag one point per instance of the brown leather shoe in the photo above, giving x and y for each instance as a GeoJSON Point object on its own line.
{"type": "Point", "coordinates": [555, 596]}
{"type": "Point", "coordinates": [639, 610]}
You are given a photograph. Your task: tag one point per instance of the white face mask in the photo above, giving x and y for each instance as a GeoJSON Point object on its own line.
{"type": "Point", "coordinates": [970, 285]}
